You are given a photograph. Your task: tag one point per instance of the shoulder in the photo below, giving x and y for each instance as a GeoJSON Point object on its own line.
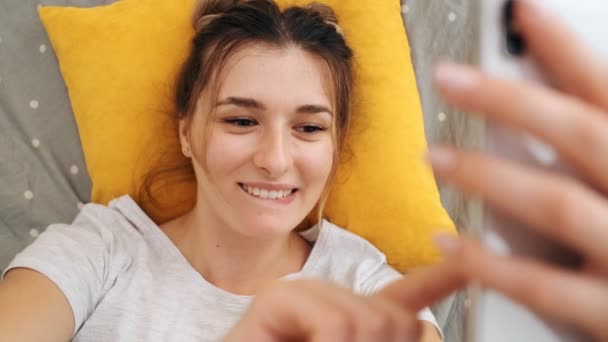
{"type": "Point", "coordinates": [83, 258]}
{"type": "Point", "coordinates": [99, 242]}
{"type": "Point", "coordinates": [350, 261]}
{"type": "Point", "coordinates": [118, 217]}
{"type": "Point", "coordinates": [98, 232]}
{"type": "Point", "coordinates": [344, 242]}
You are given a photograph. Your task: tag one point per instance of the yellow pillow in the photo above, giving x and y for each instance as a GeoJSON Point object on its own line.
{"type": "Point", "coordinates": [119, 62]}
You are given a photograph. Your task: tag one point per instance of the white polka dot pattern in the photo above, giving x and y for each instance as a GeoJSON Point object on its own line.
{"type": "Point", "coordinates": [35, 115]}
{"type": "Point", "coordinates": [441, 117]}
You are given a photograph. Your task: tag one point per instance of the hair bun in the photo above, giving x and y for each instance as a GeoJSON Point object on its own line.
{"type": "Point", "coordinates": [205, 11]}
{"type": "Point", "coordinates": [327, 14]}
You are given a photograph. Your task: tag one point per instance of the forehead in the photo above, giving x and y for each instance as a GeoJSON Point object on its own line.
{"type": "Point", "coordinates": [270, 74]}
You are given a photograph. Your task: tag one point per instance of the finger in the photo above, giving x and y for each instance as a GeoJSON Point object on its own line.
{"type": "Point", "coordinates": [404, 323]}
{"type": "Point", "coordinates": [425, 286]}
{"type": "Point", "coordinates": [572, 65]}
{"type": "Point", "coordinates": [577, 130]}
{"type": "Point", "coordinates": [294, 312]}
{"type": "Point", "coordinates": [553, 293]}
{"type": "Point", "coordinates": [553, 205]}
{"type": "Point", "coordinates": [372, 320]}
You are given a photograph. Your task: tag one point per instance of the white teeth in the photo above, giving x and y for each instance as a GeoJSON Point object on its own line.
{"type": "Point", "coordinates": [267, 194]}
{"type": "Point", "coordinates": [264, 193]}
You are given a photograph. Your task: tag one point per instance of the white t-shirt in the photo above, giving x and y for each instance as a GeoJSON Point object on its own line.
{"type": "Point", "coordinates": [126, 281]}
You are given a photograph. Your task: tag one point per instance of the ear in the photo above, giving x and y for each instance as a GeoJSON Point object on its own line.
{"type": "Point", "coordinates": [184, 129]}
{"type": "Point", "coordinates": [184, 135]}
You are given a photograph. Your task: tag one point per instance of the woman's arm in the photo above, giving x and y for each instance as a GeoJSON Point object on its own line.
{"type": "Point", "coordinates": [33, 308]}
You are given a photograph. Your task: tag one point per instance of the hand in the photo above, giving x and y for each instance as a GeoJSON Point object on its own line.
{"type": "Point", "coordinates": [574, 119]}
{"type": "Point", "coordinates": [308, 310]}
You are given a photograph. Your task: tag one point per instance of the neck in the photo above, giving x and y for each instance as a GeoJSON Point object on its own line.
{"type": "Point", "coordinates": [231, 261]}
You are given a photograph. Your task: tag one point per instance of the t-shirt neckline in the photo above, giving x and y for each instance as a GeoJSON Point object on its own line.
{"type": "Point", "coordinates": [316, 235]}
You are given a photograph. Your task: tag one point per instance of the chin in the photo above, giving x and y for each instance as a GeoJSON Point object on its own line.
{"type": "Point", "coordinates": [268, 226]}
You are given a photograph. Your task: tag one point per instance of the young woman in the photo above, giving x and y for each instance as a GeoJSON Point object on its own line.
{"type": "Point", "coordinates": [574, 119]}
{"type": "Point", "coordinates": [263, 103]}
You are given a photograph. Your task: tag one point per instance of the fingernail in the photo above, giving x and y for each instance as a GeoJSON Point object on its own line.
{"type": "Point", "coordinates": [448, 244]}
{"type": "Point", "coordinates": [535, 8]}
{"type": "Point", "coordinates": [455, 76]}
{"type": "Point", "coordinates": [441, 159]}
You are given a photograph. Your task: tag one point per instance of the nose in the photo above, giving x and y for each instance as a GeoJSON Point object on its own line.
{"type": "Point", "coordinates": [273, 155]}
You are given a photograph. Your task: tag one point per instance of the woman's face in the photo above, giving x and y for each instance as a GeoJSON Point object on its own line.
{"type": "Point", "coordinates": [270, 148]}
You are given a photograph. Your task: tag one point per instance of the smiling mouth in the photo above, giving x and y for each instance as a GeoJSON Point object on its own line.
{"type": "Point", "coordinates": [267, 194]}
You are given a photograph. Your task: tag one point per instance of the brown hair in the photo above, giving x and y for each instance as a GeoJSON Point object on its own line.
{"type": "Point", "coordinates": [225, 26]}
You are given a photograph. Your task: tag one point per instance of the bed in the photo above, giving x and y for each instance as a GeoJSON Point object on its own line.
{"type": "Point", "coordinates": [43, 177]}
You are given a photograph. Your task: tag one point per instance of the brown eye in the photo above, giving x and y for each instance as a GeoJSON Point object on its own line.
{"type": "Point", "coordinates": [240, 122]}
{"type": "Point", "coordinates": [311, 129]}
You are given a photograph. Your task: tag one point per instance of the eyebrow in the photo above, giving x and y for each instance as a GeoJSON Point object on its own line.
{"type": "Point", "coordinates": [253, 104]}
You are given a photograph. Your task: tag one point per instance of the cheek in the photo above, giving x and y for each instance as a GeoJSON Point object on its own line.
{"type": "Point", "coordinates": [226, 152]}
{"type": "Point", "coordinates": [315, 162]}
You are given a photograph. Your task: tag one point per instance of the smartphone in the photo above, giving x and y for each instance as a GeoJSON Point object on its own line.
{"type": "Point", "coordinates": [490, 316]}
